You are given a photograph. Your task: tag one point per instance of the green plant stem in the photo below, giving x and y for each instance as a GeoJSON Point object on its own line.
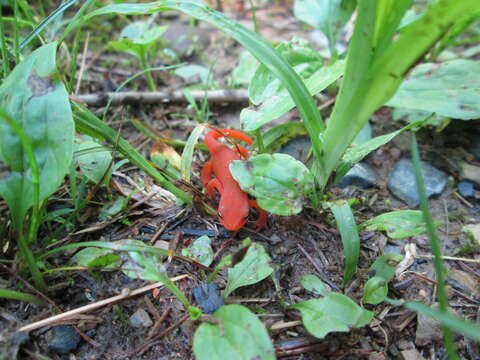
{"type": "Point", "coordinates": [16, 46]}
{"type": "Point", "coordinates": [3, 44]}
{"type": "Point", "coordinates": [17, 295]}
{"type": "Point", "coordinates": [73, 63]}
{"type": "Point", "coordinates": [148, 74]}
{"type": "Point", "coordinates": [254, 16]}
{"type": "Point", "coordinates": [436, 248]}
{"type": "Point", "coordinates": [259, 141]}
{"type": "Point", "coordinates": [22, 242]}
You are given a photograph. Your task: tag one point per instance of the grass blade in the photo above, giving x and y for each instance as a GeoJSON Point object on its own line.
{"type": "Point", "coordinates": [35, 32]}
{"type": "Point", "coordinates": [187, 155]}
{"type": "Point", "coordinates": [350, 239]}
{"type": "Point", "coordinates": [436, 248]}
{"type": "Point", "coordinates": [87, 123]}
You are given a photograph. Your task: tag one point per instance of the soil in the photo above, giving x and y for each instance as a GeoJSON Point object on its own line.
{"type": "Point", "coordinates": [304, 244]}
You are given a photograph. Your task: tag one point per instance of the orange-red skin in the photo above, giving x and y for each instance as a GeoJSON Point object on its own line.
{"type": "Point", "coordinates": [234, 203]}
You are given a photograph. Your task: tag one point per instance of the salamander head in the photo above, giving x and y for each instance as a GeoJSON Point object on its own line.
{"type": "Point", "coordinates": [233, 215]}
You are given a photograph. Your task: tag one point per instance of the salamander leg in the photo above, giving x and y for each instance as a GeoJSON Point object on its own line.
{"type": "Point", "coordinates": [262, 217]}
{"type": "Point", "coordinates": [207, 172]}
{"type": "Point", "coordinates": [212, 185]}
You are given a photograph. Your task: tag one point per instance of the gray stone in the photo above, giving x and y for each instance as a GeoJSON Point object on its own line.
{"type": "Point", "coordinates": [298, 148]}
{"type": "Point", "coordinates": [140, 318]}
{"type": "Point", "coordinates": [470, 172]}
{"type": "Point", "coordinates": [63, 339]}
{"type": "Point", "coordinates": [403, 185]}
{"type": "Point", "coordinates": [392, 249]}
{"type": "Point", "coordinates": [364, 135]}
{"type": "Point", "coordinates": [466, 189]}
{"type": "Point", "coordinates": [361, 175]}
{"type": "Point", "coordinates": [428, 330]}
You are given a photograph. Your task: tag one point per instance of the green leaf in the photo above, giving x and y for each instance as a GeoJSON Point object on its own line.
{"type": "Point", "coordinates": [375, 290]}
{"type": "Point", "coordinates": [328, 16]}
{"type": "Point", "coordinates": [254, 267]}
{"type": "Point", "coordinates": [333, 313]}
{"type": "Point", "coordinates": [299, 54]}
{"type": "Point", "coordinates": [278, 105]}
{"type": "Point", "coordinates": [447, 89]}
{"type": "Point", "coordinates": [137, 38]}
{"type": "Point", "coordinates": [35, 97]}
{"type": "Point", "coordinates": [187, 71]}
{"type": "Point", "coordinates": [350, 239]}
{"type": "Point", "coordinates": [243, 73]}
{"type": "Point", "coordinates": [94, 161]}
{"type": "Point", "coordinates": [239, 335]}
{"type": "Point", "coordinates": [113, 207]}
{"type": "Point", "coordinates": [95, 257]}
{"type": "Point", "coordinates": [314, 284]}
{"type": "Point", "coordinates": [280, 183]}
{"type": "Point", "coordinates": [384, 266]}
{"type": "Point", "coordinates": [398, 224]}
{"type": "Point", "coordinates": [200, 250]}
{"type": "Point", "coordinates": [187, 155]}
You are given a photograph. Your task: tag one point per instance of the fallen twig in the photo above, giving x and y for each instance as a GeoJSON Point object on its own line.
{"type": "Point", "coordinates": [96, 305]}
{"type": "Point", "coordinates": [134, 97]}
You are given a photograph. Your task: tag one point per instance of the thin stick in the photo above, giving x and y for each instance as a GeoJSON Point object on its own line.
{"type": "Point", "coordinates": [82, 64]}
{"type": "Point", "coordinates": [453, 258]}
{"type": "Point", "coordinates": [134, 97]}
{"type": "Point", "coordinates": [96, 305]}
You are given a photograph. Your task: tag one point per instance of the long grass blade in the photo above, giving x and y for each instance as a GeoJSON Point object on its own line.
{"type": "Point", "coordinates": [350, 239]}
{"type": "Point", "coordinates": [436, 247]}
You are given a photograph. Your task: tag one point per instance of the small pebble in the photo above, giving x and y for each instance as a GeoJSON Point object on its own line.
{"type": "Point", "coordinates": [403, 185]}
{"type": "Point", "coordinates": [208, 297]}
{"type": "Point", "coordinates": [63, 339]}
{"type": "Point", "coordinates": [466, 189]}
{"type": "Point", "coordinates": [140, 318]}
{"type": "Point", "coordinates": [360, 175]}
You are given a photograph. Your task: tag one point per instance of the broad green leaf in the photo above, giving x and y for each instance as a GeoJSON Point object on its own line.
{"type": "Point", "coordinates": [382, 270]}
{"type": "Point", "coordinates": [398, 224]}
{"type": "Point", "coordinates": [328, 16]}
{"type": "Point", "coordinates": [35, 97]}
{"type": "Point", "coordinates": [280, 183]}
{"type": "Point", "coordinates": [243, 73]}
{"type": "Point", "coordinates": [314, 284]}
{"type": "Point", "coordinates": [200, 250]}
{"type": "Point", "coordinates": [333, 313]}
{"type": "Point", "coordinates": [137, 38]}
{"type": "Point", "coordinates": [239, 335]}
{"type": "Point", "coordinates": [299, 54]}
{"type": "Point", "coordinates": [278, 105]}
{"type": "Point", "coordinates": [95, 257]}
{"type": "Point", "coordinates": [187, 71]}
{"type": "Point", "coordinates": [280, 134]}
{"type": "Point", "coordinates": [94, 161]}
{"type": "Point", "coordinates": [448, 89]}
{"type": "Point", "coordinates": [375, 290]}
{"type": "Point", "coordinates": [384, 266]}
{"type": "Point", "coordinates": [254, 267]}
{"type": "Point", "coordinates": [350, 239]}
